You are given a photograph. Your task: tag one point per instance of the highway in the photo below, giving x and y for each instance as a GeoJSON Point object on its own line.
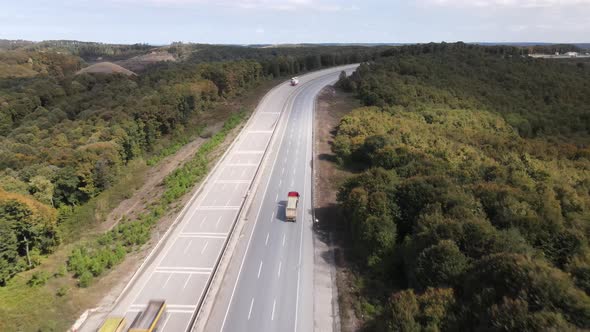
{"type": "Point", "coordinates": [273, 288]}
{"type": "Point", "coordinates": [270, 287]}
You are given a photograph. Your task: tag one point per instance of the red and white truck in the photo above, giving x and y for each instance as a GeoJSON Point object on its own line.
{"type": "Point", "coordinates": [291, 210]}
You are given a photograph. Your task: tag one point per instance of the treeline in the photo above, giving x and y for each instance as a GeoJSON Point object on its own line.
{"type": "Point", "coordinates": [65, 138]}
{"type": "Point", "coordinates": [536, 96]}
{"type": "Point", "coordinates": [88, 50]}
{"type": "Point", "coordinates": [552, 49]}
{"type": "Point", "coordinates": [279, 61]}
{"type": "Point", "coordinates": [463, 219]}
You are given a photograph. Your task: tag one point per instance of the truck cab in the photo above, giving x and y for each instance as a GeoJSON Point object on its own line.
{"type": "Point", "coordinates": [114, 324]}
{"type": "Point", "coordinates": [291, 209]}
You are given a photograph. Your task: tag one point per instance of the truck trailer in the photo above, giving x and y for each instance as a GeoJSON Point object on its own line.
{"type": "Point", "coordinates": [291, 209]}
{"type": "Point", "coordinates": [150, 318]}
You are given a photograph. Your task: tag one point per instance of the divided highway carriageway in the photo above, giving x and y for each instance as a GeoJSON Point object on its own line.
{"type": "Point", "coordinates": [271, 156]}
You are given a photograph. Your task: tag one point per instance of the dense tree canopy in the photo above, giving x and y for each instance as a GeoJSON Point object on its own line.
{"type": "Point", "coordinates": [65, 137]}
{"type": "Point", "coordinates": [475, 192]}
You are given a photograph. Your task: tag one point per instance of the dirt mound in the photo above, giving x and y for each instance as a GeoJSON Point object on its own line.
{"type": "Point", "coordinates": [139, 62]}
{"type": "Point", "coordinates": [105, 68]}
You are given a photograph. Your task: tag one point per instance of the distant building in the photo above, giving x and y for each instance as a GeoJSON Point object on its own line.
{"type": "Point", "coordinates": [572, 54]}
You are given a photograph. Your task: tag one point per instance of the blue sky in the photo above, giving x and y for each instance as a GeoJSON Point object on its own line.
{"type": "Point", "coordinates": [295, 21]}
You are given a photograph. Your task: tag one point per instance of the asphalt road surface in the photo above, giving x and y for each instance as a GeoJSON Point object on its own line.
{"type": "Point", "coordinates": [270, 287]}
{"type": "Point", "coordinates": [274, 288]}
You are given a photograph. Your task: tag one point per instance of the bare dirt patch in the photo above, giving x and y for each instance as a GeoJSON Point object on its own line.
{"type": "Point", "coordinates": [332, 105]}
{"type": "Point", "coordinates": [140, 62]}
{"type": "Point", "coordinates": [105, 68]}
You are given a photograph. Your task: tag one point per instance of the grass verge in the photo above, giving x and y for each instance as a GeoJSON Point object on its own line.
{"type": "Point", "coordinates": [95, 257]}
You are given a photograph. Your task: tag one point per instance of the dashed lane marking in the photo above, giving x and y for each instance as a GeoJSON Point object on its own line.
{"type": "Point", "coordinates": [250, 311]}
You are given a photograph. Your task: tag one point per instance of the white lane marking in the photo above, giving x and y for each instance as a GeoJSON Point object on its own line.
{"type": "Point", "coordinates": [224, 182]}
{"type": "Point", "coordinates": [186, 235]}
{"type": "Point", "coordinates": [217, 223]}
{"type": "Point", "coordinates": [250, 238]}
{"type": "Point", "coordinates": [274, 303]}
{"type": "Point", "coordinates": [266, 242]}
{"type": "Point", "coordinates": [272, 217]}
{"type": "Point", "coordinates": [249, 152]}
{"type": "Point", "coordinates": [218, 207]}
{"type": "Point", "coordinates": [285, 160]}
{"type": "Point", "coordinates": [277, 198]}
{"type": "Point", "coordinates": [187, 246]}
{"type": "Point", "coordinates": [250, 311]}
{"type": "Point", "coordinates": [197, 234]}
{"type": "Point", "coordinates": [284, 236]}
{"type": "Point", "coordinates": [279, 273]}
{"type": "Point", "coordinates": [202, 221]}
{"type": "Point", "coordinates": [292, 182]}
{"type": "Point", "coordinates": [180, 272]}
{"type": "Point", "coordinates": [259, 269]}
{"type": "Point", "coordinates": [172, 269]}
{"type": "Point", "coordinates": [166, 322]}
{"type": "Point", "coordinates": [260, 132]}
{"type": "Point", "coordinates": [282, 170]}
{"type": "Point", "coordinates": [166, 283]}
{"type": "Point", "coordinates": [280, 182]}
{"type": "Point", "coordinates": [204, 247]}
{"type": "Point", "coordinates": [186, 282]}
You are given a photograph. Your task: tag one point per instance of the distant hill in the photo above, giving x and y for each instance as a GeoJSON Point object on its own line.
{"type": "Point", "coordinates": [585, 46]}
{"type": "Point", "coordinates": [138, 63]}
{"type": "Point", "coordinates": [105, 68]}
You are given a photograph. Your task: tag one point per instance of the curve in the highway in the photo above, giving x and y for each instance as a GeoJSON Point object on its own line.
{"type": "Point", "coordinates": [180, 269]}
{"type": "Point", "coordinates": [272, 283]}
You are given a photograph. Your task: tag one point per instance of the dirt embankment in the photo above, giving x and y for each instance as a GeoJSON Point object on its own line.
{"type": "Point", "coordinates": [140, 62]}
{"type": "Point", "coordinates": [105, 68]}
{"type": "Point", "coordinates": [331, 107]}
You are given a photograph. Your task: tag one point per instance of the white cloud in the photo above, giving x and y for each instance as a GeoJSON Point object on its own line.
{"type": "Point", "coordinates": [282, 5]}
{"type": "Point", "coordinates": [509, 3]}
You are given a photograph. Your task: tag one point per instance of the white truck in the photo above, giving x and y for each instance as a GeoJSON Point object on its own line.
{"type": "Point", "coordinates": [291, 209]}
{"type": "Point", "coordinates": [294, 81]}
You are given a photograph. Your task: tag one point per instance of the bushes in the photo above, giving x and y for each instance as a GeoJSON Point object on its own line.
{"type": "Point", "coordinates": [95, 258]}
{"type": "Point", "coordinates": [38, 278]}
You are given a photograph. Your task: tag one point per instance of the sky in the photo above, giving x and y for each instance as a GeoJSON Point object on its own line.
{"type": "Point", "coordinates": [160, 22]}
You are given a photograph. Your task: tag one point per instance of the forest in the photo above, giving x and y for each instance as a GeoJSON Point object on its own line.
{"type": "Point", "coordinates": [470, 208]}
{"type": "Point", "coordinates": [65, 138]}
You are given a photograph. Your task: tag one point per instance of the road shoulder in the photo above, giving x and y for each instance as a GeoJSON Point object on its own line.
{"type": "Point", "coordinates": [332, 311]}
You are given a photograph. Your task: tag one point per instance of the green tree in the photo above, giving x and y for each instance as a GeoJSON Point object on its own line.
{"type": "Point", "coordinates": [441, 264]}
